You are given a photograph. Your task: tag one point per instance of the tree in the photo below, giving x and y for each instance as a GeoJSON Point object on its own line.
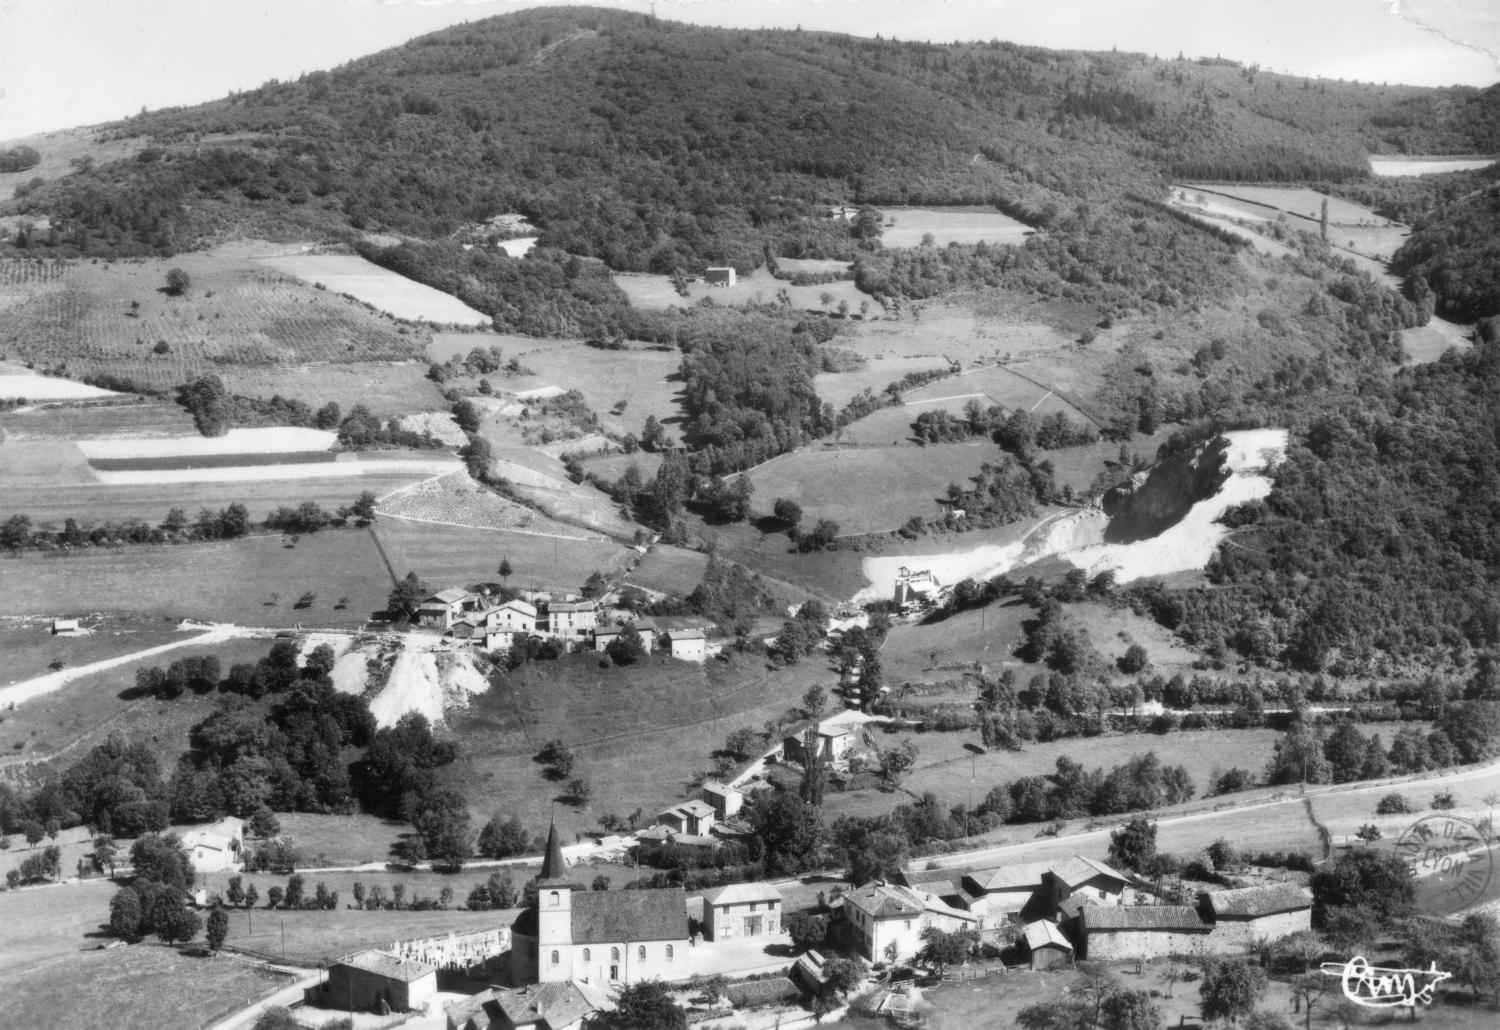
{"type": "Point", "coordinates": [1133, 846]}
{"type": "Point", "coordinates": [502, 838]}
{"type": "Point", "coordinates": [273, 897]}
{"type": "Point", "coordinates": [1094, 986]}
{"type": "Point", "coordinates": [627, 648]}
{"type": "Point", "coordinates": [806, 931]}
{"type": "Point", "coordinates": [174, 921]}
{"type": "Point", "coordinates": [405, 596]}
{"type": "Point", "coordinates": [1364, 878]}
{"type": "Point", "coordinates": [941, 948]}
{"type": "Point", "coordinates": [844, 974]}
{"type": "Point", "coordinates": [292, 897]}
{"type": "Point", "coordinates": [263, 823]}
{"type": "Point", "coordinates": [125, 914]}
{"type": "Point", "coordinates": [1130, 1010]}
{"type": "Point", "coordinates": [1230, 990]}
{"type": "Point", "coordinates": [178, 282]}
{"type": "Point", "coordinates": [218, 929]}
{"type": "Point", "coordinates": [505, 570]}
{"type": "Point", "coordinates": [252, 895]}
{"type": "Point", "coordinates": [787, 512]}
{"type": "Point", "coordinates": [1134, 660]}
{"type": "Point", "coordinates": [1308, 991]}
{"type": "Point", "coordinates": [646, 1005]}
{"type": "Point", "coordinates": [235, 893]}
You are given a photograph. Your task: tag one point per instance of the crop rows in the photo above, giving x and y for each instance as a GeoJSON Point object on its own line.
{"type": "Point", "coordinates": [22, 272]}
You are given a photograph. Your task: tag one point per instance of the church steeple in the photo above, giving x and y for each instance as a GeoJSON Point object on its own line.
{"type": "Point", "coordinates": [554, 871]}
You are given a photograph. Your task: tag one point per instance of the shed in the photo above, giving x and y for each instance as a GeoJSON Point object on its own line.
{"type": "Point", "coordinates": [1047, 944]}
{"type": "Point", "coordinates": [719, 276]}
{"type": "Point", "coordinates": [365, 979]}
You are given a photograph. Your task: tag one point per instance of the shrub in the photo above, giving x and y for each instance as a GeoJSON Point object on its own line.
{"type": "Point", "coordinates": [1394, 804]}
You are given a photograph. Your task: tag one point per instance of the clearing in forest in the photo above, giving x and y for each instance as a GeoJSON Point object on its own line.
{"type": "Point", "coordinates": [379, 287]}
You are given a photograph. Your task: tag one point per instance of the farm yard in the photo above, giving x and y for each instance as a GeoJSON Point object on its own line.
{"type": "Point", "coordinates": [909, 226]}
{"type": "Point", "coordinates": [868, 489]}
{"type": "Point", "coordinates": [251, 581]}
{"type": "Point", "coordinates": [759, 287]}
{"type": "Point", "coordinates": [378, 287]}
{"type": "Point", "coordinates": [115, 318]}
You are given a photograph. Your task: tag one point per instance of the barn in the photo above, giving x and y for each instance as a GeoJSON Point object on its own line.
{"type": "Point", "coordinates": [1107, 933]}
{"type": "Point", "coordinates": [1238, 917]}
{"type": "Point", "coordinates": [1047, 945]}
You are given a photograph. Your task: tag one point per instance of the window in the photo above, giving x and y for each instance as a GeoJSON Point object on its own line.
{"type": "Point", "coordinates": [640, 953]}
{"type": "Point", "coordinates": [554, 899]}
{"type": "Point", "coordinates": [614, 954]}
{"type": "Point", "coordinates": [585, 954]}
{"type": "Point", "coordinates": [669, 953]}
{"type": "Point", "coordinates": [556, 958]}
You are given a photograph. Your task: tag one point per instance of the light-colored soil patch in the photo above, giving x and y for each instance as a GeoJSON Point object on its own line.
{"type": "Point", "coordinates": [1429, 342]}
{"type": "Point", "coordinates": [1294, 200]}
{"type": "Point", "coordinates": [272, 440]}
{"type": "Point", "coordinates": [48, 388]}
{"type": "Point", "coordinates": [379, 287]}
{"type": "Point", "coordinates": [812, 266]}
{"type": "Point", "coordinates": [1384, 165]}
{"type": "Point", "coordinates": [907, 226]}
{"type": "Point", "coordinates": [456, 500]}
{"type": "Point", "coordinates": [428, 682]}
{"type": "Point", "coordinates": [42, 463]}
{"type": "Point", "coordinates": [351, 673]}
{"type": "Point", "coordinates": [61, 422]}
{"type": "Point", "coordinates": [440, 424]}
{"type": "Point", "coordinates": [868, 489]}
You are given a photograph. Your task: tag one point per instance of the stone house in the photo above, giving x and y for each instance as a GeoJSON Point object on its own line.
{"type": "Point", "coordinates": [442, 609]}
{"type": "Point", "coordinates": [741, 910]}
{"type": "Point", "coordinates": [1117, 932]}
{"type": "Point", "coordinates": [599, 937]}
{"type": "Point", "coordinates": [1087, 880]}
{"type": "Point", "coordinates": [572, 621]}
{"type": "Point", "coordinates": [833, 743]}
{"type": "Point", "coordinates": [726, 801]}
{"type": "Point", "coordinates": [515, 615]}
{"type": "Point", "coordinates": [1238, 917]}
{"type": "Point", "coordinates": [217, 846]}
{"type": "Point", "coordinates": [363, 980]}
{"type": "Point", "coordinates": [885, 921]}
{"type": "Point", "coordinates": [695, 818]}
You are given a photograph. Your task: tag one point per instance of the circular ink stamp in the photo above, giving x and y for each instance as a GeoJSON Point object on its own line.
{"type": "Point", "coordinates": [1451, 861]}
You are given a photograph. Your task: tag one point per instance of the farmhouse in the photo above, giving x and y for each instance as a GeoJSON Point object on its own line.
{"type": "Point", "coordinates": [599, 937]}
{"type": "Point", "coordinates": [691, 817]}
{"type": "Point", "coordinates": [364, 980]}
{"type": "Point", "coordinates": [571, 620]}
{"type": "Point", "coordinates": [562, 1005]}
{"type": "Point", "coordinates": [1086, 879]}
{"type": "Point", "coordinates": [515, 615]}
{"type": "Point", "coordinates": [607, 635]}
{"type": "Point", "coordinates": [885, 921]}
{"type": "Point", "coordinates": [1105, 934]}
{"type": "Point", "coordinates": [833, 743]}
{"type": "Point", "coordinates": [725, 800]}
{"type": "Point", "coordinates": [216, 847]}
{"type": "Point", "coordinates": [1238, 917]}
{"type": "Point", "coordinates": [688, 645]}
{"type": "Point", "coordinates": [442, 609]}
{"type": "Point", "coordinates": [1046, 944]}
{"type": "Point", "coordinates": [741, 910]}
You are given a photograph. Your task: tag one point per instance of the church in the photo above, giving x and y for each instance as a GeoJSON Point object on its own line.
{"type": "Point", "coordinates": [599, 937]}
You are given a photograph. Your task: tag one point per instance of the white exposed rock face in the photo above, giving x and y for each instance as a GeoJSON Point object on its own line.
{"type": "Point", "coordinates": [429, 682]}
{"type": "Point", "coordinates": [1078, 536]}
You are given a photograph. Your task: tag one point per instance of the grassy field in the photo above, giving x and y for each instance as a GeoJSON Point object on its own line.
{"type": "Point", "coordinates": [868, 489]}
{"type": "Point", "coordinates": [671, 570]}
{"type": "Point", "coordinates": [66, 722]}
{"type": "Point", "coordinates": [444, 556]}
{"type": "Point", "coordinates": [907, 226]}
{"type": "Point", "coordinates": [645, 381]}
{"type": "Point", "coordinates": [252, 581]}
{"type": "Point", "coordinates": [111, 318]}
{"type": "Point", "coordinates": [642, 734]}
{"type": "Point", "coordinates": [1295, 200]}
{"type": "Point", "coordinates": [973, 331]}
{"type": "Point", "coordinates": [993, 385]}
{"type": "Point", "coordinates": [812, 266]}
{"type": "Point", "coordinates": [378, 287]}
{"type": "Point", "coordinates": [29, 646]}
{"type": "Point", "coordinates": [388, 389]}
{"type": "Point", "coordinates": [760, 287]}
{"type": "Point", "coordinates": [838, 388]}
{"type": "Point", "coordinates": [76, 422]}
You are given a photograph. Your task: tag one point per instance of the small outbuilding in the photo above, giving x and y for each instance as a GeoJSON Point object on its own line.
{"type": "Point", "coordinates": [688, 645]}
{"type": "Point", "coordinates": [366, 979]}
{"type": "Point", "coordinates": [719, 276]}
{"type": "Point", "coordinates": [1047, 945]}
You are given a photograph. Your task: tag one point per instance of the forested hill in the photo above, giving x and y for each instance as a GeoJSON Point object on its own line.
{"type": "Point", "coordinates": [656, 145]}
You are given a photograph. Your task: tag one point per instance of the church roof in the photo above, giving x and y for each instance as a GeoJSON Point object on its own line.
{"type": "Point", "coordinates": [606, 917]}
{"type": "Point", "coordinates": [554, 869]}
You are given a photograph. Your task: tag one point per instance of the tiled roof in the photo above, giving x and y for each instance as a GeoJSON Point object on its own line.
{"type": "Point", "coordinates": [1044, 933]}
{"type": "Point", "coordinates": [519, 605]}
{"type": "Point", "coordinates": [1180, 918]}
{"type": "Point", "coordinates": [1078, 870]}
{"type": "Point", "coordinates": [450, 595]}
{"type": "Point", "coordinates": [605, 917]}
{"type": "Point", "coordinates": [739, 893]}
{"type": "Point", "coordinates": [715, 787]}
{"type": "Point", "coordinates": [571, 606]}
{"type": "Point", "coordinates": [1008, 877]}
{"type": "Point", "coordinates": [385, 964]}
{"type": "Point", "coordinates": [561, 1003]}
{"type": "Point", "coordinates": [1250, 902]}
{"type": "Point", "coordinates": [675, 635]}
{"type": "Point", "coordinates": [695, 807]}
{"type": "Point", "coordinates": [883, 901]}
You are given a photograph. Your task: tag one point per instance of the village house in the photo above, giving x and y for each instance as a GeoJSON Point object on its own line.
{"type": "Point", "coordinates": [834, 742]}
{"type": "Point", "coordinates": [561, 1005]}
{"type": "Point", "coordinates": [364, 980]}
{"type": "Point", "coordinates": [695, 818]}
{"type": "Point", "coordinates": [442, 609]}
{"type": "Point", "coordinates": [1088, 880]}
{"type": "Point", "coordinates": [725, 800]}
{"type": "Point", "coordinates": [741, 910]}
{"type": "Point", "coordinates": [688, 645]}
{"type": "Point", "coordinates": [216, 847]}
{"type": "Point", "coordinates": [515, 615]}
{"type": "Point", "coordinates": [1240, 916]}
{"type": "Point", "coordinates": [1046, 944]}
{"type": "Point", "coordinates": [571, 621]}
{"type": "Point", "coordinates": [1116, 932]}
{"type": "Point", "coordinates": [606, 635]}
{"type": "Point", "coordinates": [885, 921]}
{"type": "Point", "coordinates": [599, 937]}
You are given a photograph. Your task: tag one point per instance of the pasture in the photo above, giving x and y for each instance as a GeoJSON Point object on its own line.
{"type": "Point", "coordinates": [1293, 200]}
{"type": "Point", "coordinates": [637, 382]}
{"type": "Point", "coordinates": [116, 318]}
{"type": "Point", "coordinates": [996, 384]}
{"type": "Point", "coordinates": [388, 389]}
{"type": "Point", "coordinates": [448, 556]}
{"type": "Point", "coordinates": [456, 500]}
{"type": "Point", "coordinates": [787, 267]}
{"type": "Point", "coordinates": [839, 388]}
{"type": "Point", "coordinates": [759, 287]}
{"type": "Point", "coordinates": [252, 581]}
{"type": "Point", "coordinates": [30, 647]}
{"type": "Point", "coordinates": [981, 330]}
{"type": "Point", "coordinates": [909, 226]}
{"type": "Point", "coordinates": [669, 570]}
{"type": "Point", "coordinates": [378, 287]}
{"type": "Point", "coordinates": [868, 489]}
{"type": "Point", "coordinates": [137, 418]}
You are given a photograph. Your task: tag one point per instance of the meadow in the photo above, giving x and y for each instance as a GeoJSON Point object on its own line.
{"type": "Point", "coordinates": [636, 383]}
{"type": "Point", "coordinates": [760, 287]}
{"type": "Point", "coordinates": [996, 384]}
{"type": "Point", "coordinates": [868, 489]}
{"type": "Point", "coordinates": [449, 556]}
{"type": "Point", "coordinates": [669, 570]}
{"type": "Point", "coordinates": [116, 318]}
{"type": "Point", "coordinates": [875, 374]}
{"type": "Point", "coordinates": [909, 226]}
{"type": "Point", "coordinates": [387, 389]}
{"type": "Point", "coordinates": [378, 287]}
{"type": "Point", "coordinates": [251, 581]}
{"type": "Point", "coordinates": [30, 647]}
{"type": "Point", "coordinates": [1294, 200]}
{"type": "Point", "coordinates": [135, 417]}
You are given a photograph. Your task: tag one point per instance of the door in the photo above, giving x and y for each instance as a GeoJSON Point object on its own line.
{"type": "Point", "coordinates": [752, 926]}
{"type": "Point", "coordinates": [614, 974]}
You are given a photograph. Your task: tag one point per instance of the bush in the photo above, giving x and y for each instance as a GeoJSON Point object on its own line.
{"type": "Point", "coordinates": [1394, 804]}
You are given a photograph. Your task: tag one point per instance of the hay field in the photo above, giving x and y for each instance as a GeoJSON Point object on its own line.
{"type": "Point", "coordinates": [613, 466]}
{"type": "Point", "coordinates": [906, 226]}
{"type": "Point", "coordinates": [139, 418]}
{"type": "Point", "coordinates": [996, 384]}
{"type": "Point", "coordinates": [868, 489]}
{"type": "Point", "coordinates": [110, 318]}
{"type": "Point", "coordinates": [1388, 165]}
{"type": "Point", "coordinates": [760, 287]}
{"type": "Point", "coordinates": [251, 581]}
{"type": "Point", "coordinates": [646, 382]}
{"type": "Point", "coordinates": [446, 556]}
{"type": "Point", "coordinates": [670, 570]}
{"type": "Point", "coordinates": [1293, 200]}
{"type": "Point", "coordinates": [980, 330]}
{"type": "Point", "coordinates": [789, 267]}
{"type": "Point", "coordinates": [456, 500]}
{"type": "Point", "coordinates": [48, 388]}
{"type": "Point", "coordinates": [381, 288]}
{"type": "Point", "coordinates": [839, 388]}
{"type": "Point", "coordinates": [388, 389]}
